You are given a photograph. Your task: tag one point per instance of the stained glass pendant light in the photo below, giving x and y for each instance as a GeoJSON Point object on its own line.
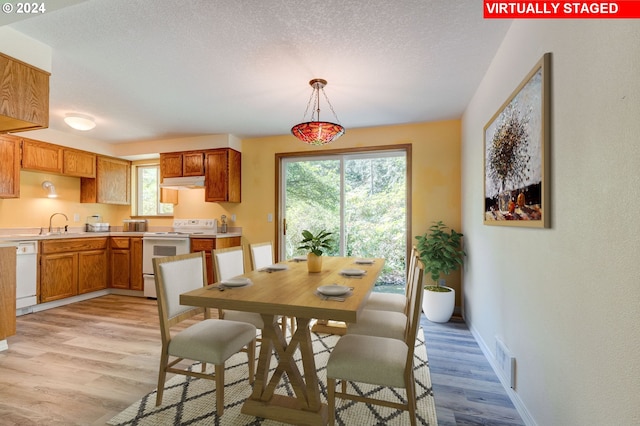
{"type": "Point", "coordinates": [316, 132]}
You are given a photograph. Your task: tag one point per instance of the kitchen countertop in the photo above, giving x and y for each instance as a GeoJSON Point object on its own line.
{"type": "Point", "coordinates": [5, 238]}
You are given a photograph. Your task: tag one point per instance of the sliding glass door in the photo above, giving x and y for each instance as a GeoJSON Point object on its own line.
{"type": "Point", "coordinates": [360, 197]}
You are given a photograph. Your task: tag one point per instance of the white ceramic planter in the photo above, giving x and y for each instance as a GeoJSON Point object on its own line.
{"type": "Point", "coordinates": [438, 305]}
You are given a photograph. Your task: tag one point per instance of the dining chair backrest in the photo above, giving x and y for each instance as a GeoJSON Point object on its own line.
{"type": "Point", "coordinates": [175, 275]}
{"type": "Point", "coordinates": [415, 306]}
{"type": "Point", "coordinates": [261, 255]}
{"type": "Point", "coordinates": [228, 263]}
{"type": "Point", "coordinates": [413, 256]}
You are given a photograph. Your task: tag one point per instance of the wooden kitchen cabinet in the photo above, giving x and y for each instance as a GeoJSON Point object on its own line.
{"type": "Point", "coordinates": [126, 263]}
{"type": "Point", "coordinates": [207, 245]}
{"type": "Point", "coordinates": [179, 164]}
{"type": "Point", "coordinates": [41, 156]}
{"type": "Point", "coordinates": [222, 175]}
{"type": "Point", "coordinates": [24, 96]}
{"type": "Point", "coordinates": [9, 167]}
{"type": "Point", "coordinates": [92, 270]}
{"type": "Point", "coordinates": [58, 276]}
{"type": "Point", "coordinates": [135, 278]}
{"type": "Point", "coordinates": [72, 266]}
{"type": "Point", "coordinates": [120, 262]}
{"type": "Point", "coordinates": [52, 158]}
{"type": "Point", "coordinates": [7, 292]}
{"type": "Point", "coordinates": [78, 163]}
{"type": "Point", "coordinates": [112, 184]}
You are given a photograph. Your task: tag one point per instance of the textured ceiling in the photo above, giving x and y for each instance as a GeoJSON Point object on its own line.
{"type": "Point", "coordinates": [156, 69]}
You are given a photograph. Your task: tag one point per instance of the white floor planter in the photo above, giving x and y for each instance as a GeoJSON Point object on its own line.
{"type": "Point", "coordinates": [438, 305]}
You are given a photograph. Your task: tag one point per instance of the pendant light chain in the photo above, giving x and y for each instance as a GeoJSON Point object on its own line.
{"type": "Point", "coordinates": [330, 107]}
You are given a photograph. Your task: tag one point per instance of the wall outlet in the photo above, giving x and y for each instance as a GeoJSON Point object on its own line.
{"type": "Point", "coordinates": [270, 217]}
{"type": "Point", "coordinates": [76, 217]}
{"type": "Point", "coordinates": [506, 362]}
{"type": "Point", "coordinates": [233, 218]}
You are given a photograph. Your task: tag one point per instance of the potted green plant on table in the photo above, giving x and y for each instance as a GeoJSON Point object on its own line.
{"type": "Point", "coordinates": [316, 245]}
{"type": "Point", "coordinates": [441, 253]}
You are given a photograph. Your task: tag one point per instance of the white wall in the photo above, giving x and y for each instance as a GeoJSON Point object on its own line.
{"type": "Point", "coordinates": [565, 300]}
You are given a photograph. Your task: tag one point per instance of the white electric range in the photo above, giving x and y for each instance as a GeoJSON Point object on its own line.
{"type": "Point", "coordinates": [171, 243]}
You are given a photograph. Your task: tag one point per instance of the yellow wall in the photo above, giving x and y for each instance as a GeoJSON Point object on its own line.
{"type": "Point", "coordinates": [33, 208]}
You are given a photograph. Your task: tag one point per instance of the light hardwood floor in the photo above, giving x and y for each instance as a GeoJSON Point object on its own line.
{"type": "Point", "coordinates": [81, 364]}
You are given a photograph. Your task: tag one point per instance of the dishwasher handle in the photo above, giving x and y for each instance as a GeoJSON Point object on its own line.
{"type": "Point", "coordinates": [27, 247]}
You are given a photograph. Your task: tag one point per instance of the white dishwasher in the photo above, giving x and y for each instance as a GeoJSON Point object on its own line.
{"type": "Point", "coordinates": [26, 274]}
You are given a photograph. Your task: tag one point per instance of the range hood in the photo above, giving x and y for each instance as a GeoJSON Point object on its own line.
{"type": "Point", "coordinates": [187, 182]}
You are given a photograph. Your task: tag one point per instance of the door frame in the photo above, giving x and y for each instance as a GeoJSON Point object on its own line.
{"type": "Point", "coordinates": [342, 151]}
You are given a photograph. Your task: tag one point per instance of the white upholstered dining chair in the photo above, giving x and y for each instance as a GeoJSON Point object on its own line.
{"type": "Point", "coordinates": [378, 361]}
{"type": "Point", "coordinates": [262, 256]}
{"type": "Point", "coordinates": [229, 263]}
{"type": "Point", "coordinates": [390, 301]}
{"type": "Point", "coordinates": [383, 323]}
{"type": "Point", "coordinates": [210, 341]}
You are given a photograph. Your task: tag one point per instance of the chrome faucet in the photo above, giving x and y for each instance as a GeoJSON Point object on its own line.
{"type": "Point", "coordinates": [51, 218]}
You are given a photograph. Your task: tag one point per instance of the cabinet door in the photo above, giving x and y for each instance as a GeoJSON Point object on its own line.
{"type": "Point", "coordinates": [222, 177]}
{"type": "Point", "coordinates": [192, 164]}
{"type": "Point", "coordinates": [120, 272]}
{"type": "Point", "coordinates": [92, 271]}
{"type": "Point", "coordinates": [135, 276]}
{"type": "Point", "coordinates": [79, 163]}
{"type": "Point", "coordinates": [7, 292]}
{"type": "Point", "coordinates": [58, 276]}
{"type": "Point", "coordinates": [216, 178]}
{"type": "Point", "coordinates": [170, 165]}
{"type": "Point", "coordinates": [24, 96]}
{"type": "Point", "coordinates": [9, 167]}
{"type": "Point", "coordinates": [206, 245]}
{"type": "Point", "coordinates": [111, 185]}
{"type": "Point", "coordinates": [41, 156]}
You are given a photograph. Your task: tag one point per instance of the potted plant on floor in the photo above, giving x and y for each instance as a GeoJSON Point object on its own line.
{"type": "Point", "coordinates": [441, 253]}
{"type": "Point", "coordinates": [316, 245]}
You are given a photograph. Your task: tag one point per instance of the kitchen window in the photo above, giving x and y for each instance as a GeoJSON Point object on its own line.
{"type": "Point", "coordinates": [148, 193]}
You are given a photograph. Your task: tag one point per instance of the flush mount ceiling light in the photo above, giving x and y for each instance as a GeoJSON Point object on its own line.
{"type": "Point", "coordinates": [316, 132]}
{"type": "Point", "coordinates": [80, 121]}
{"type": "Point", "coordinates": [50, 188]}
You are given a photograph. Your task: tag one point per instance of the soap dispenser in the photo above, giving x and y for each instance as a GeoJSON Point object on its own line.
{"type": "Point", "coordinates": [223, 225]}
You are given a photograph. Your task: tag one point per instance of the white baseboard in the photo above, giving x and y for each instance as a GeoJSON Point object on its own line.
{"type": "Point", "coordinates": [513, 395]}
{"type": "Point", "coordinates": [62, 302]}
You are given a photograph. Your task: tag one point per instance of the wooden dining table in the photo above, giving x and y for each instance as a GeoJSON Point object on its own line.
{"type": "Point", "coordinates": [291, 292]}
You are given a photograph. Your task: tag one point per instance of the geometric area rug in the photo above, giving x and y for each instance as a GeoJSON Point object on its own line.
{"type": "Point", "coordinates": [191, 401]}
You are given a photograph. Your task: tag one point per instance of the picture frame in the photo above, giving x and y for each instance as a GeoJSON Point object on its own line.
{"type": "Point", "coordinates": [516, 150]}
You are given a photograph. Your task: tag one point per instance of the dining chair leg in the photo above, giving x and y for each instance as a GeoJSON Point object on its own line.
{"type": "Point", "coordinates": [162, 375]}
{"type": "Point", "coordinates": [251, 360]}
{"type": "Point", "coordinates": [331, 401]}
{"type": "Point", "coordinates": [219, 371]}
{"type": "Point", "coordinates": [344, 386]}
{"type": "Point", "coordinates": [411, 398]}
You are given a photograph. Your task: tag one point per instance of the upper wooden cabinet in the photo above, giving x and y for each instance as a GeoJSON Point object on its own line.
{"type": "Point", "coordinates": [24, 96]}
{"type": "Point", "coordinates": [179, 164]}
{"type": "Point", "coordinates": [112, 184]}
{"type": "Point", "coordinates": [9, 167]}
{"type": "Point", "coordinates": [78, 163]}
{"type": "Point", "coordinates": [41, 156]}
{"type": "Point", "coordinates": [48, 157]}
{"type": "Point", "coordinates": [222, 175]}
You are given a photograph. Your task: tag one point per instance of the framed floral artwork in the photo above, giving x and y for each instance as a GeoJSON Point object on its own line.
{"type": "Point", "coordinates": [516, 149]}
